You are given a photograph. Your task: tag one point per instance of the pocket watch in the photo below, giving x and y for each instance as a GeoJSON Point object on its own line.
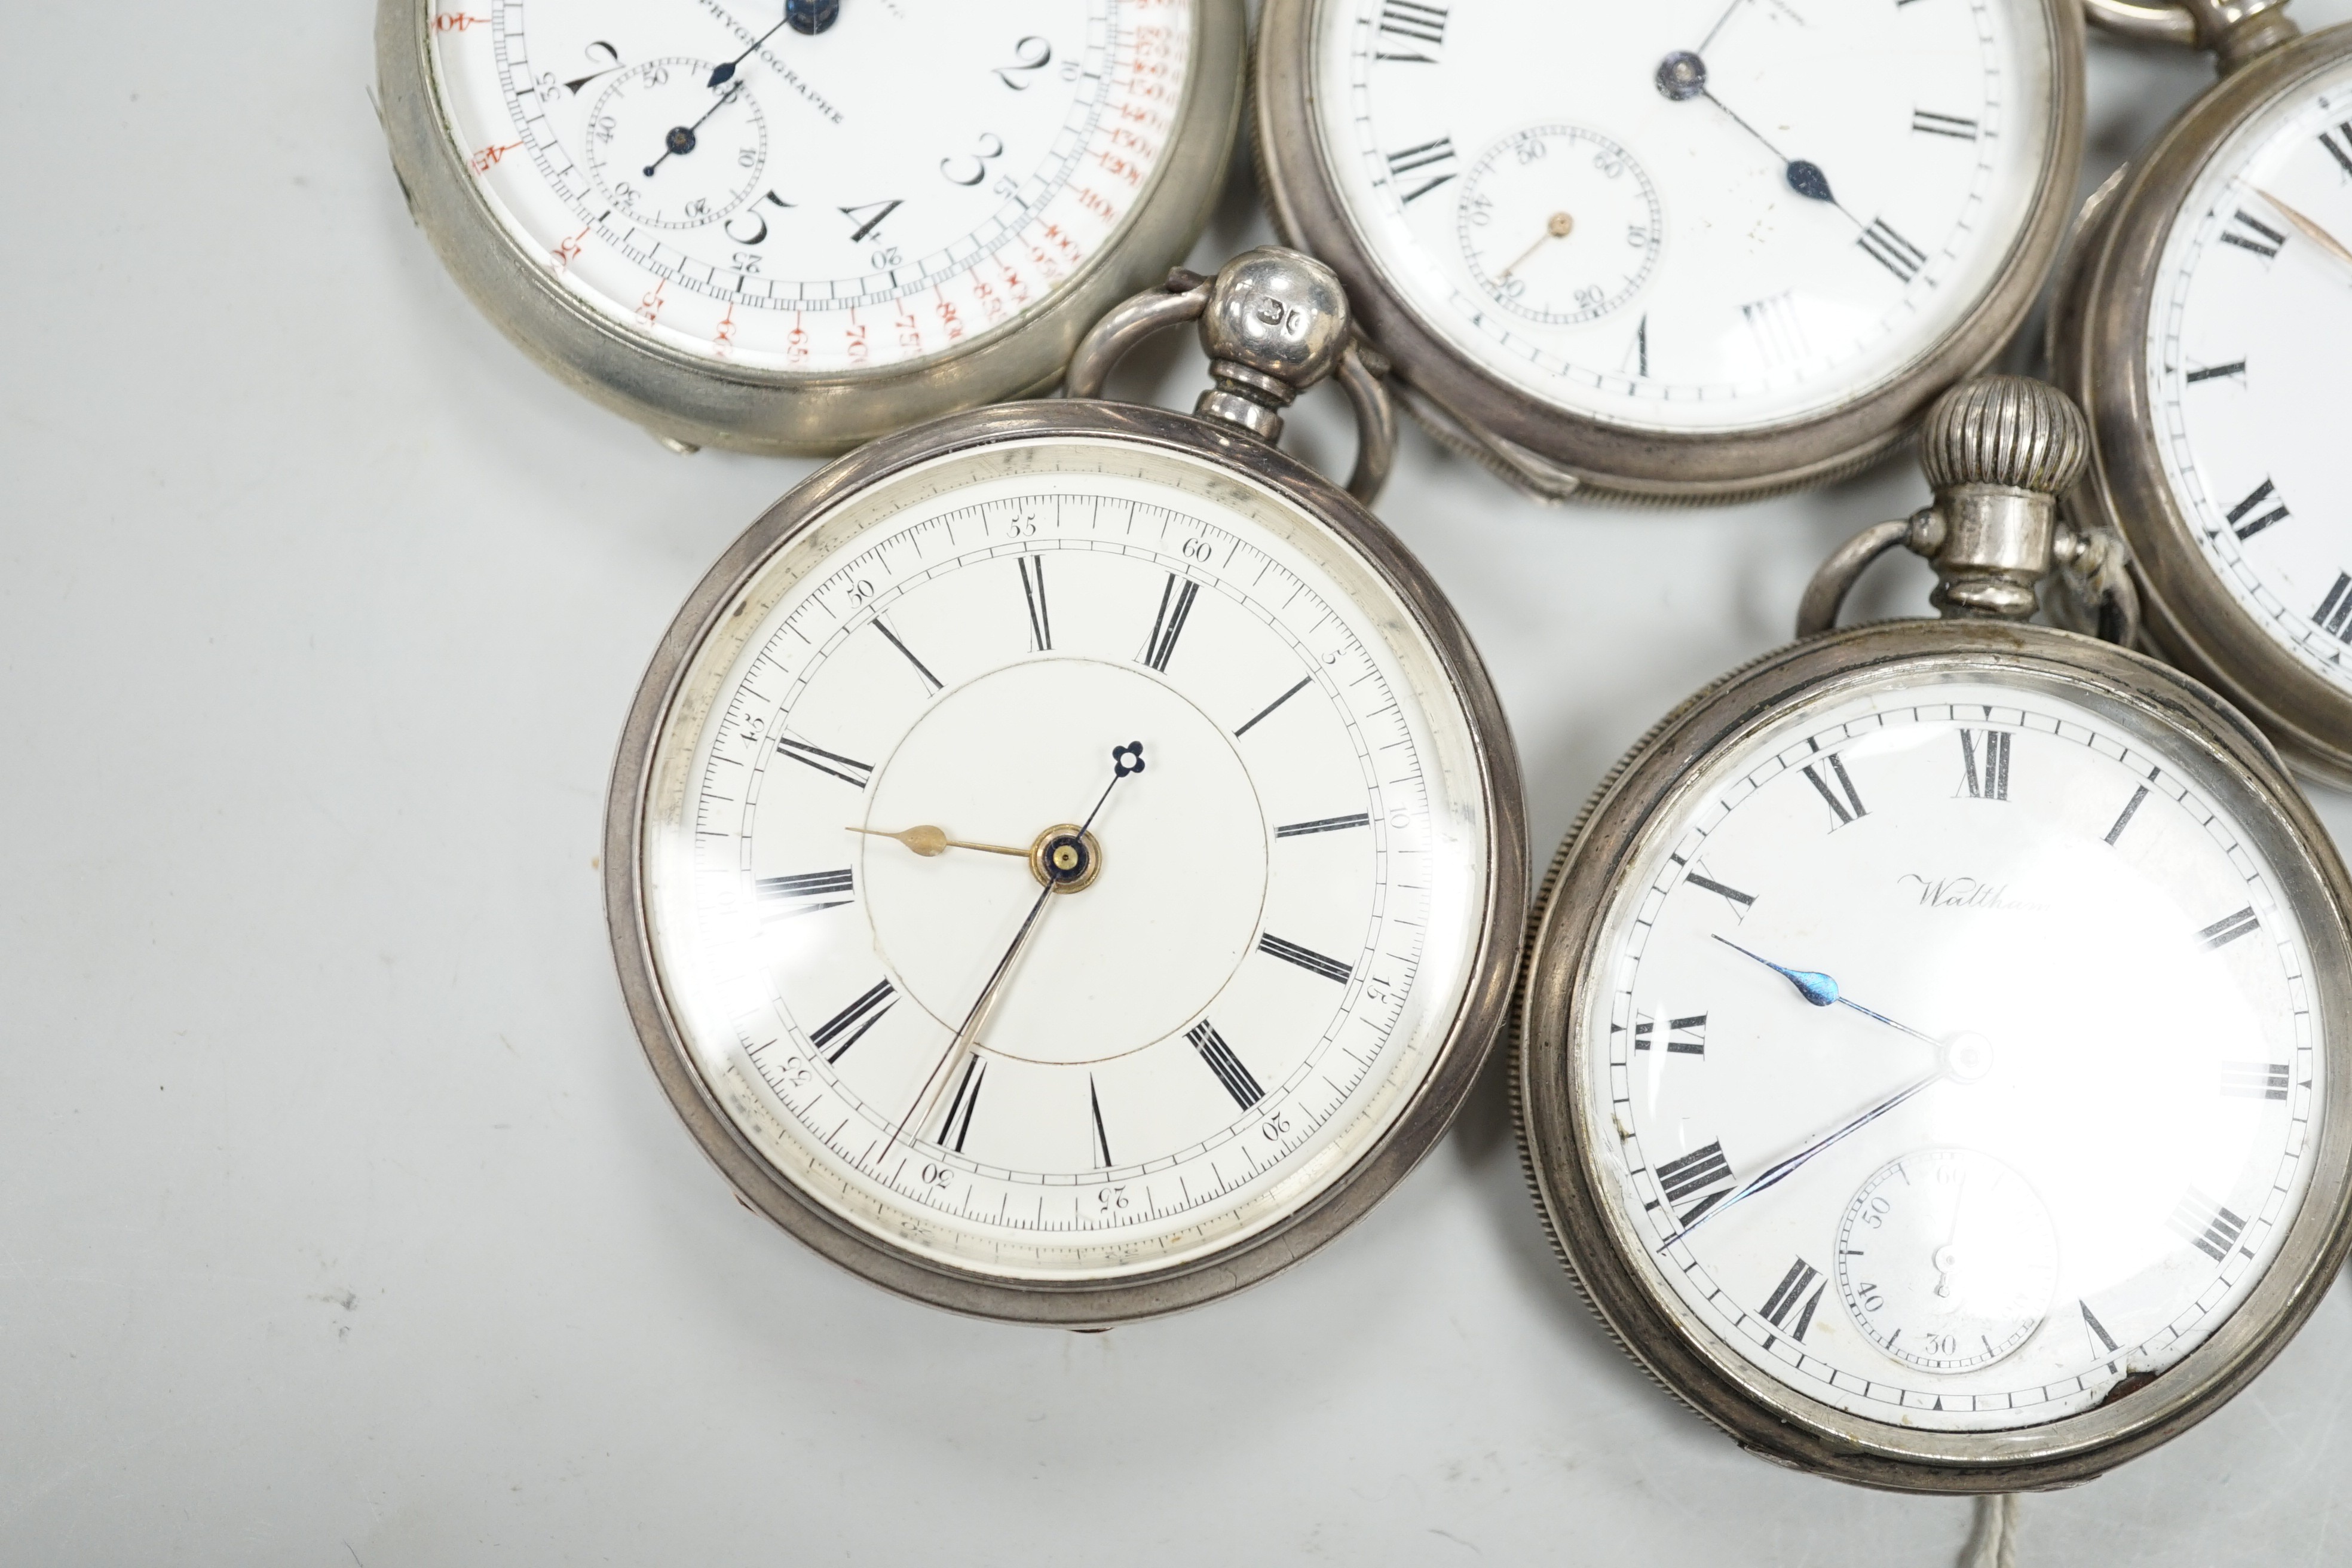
{"type": "Point", "coordinates": [1931, 1044]}
{"type": "Point", "coordinates": [1684, 251]}
{"type": "Point", "coordinates": [2205, 328]}
{"type": "Point", "coordinates": [1065, 860]}
{"type": "Point", "coordinates": [792, 225]}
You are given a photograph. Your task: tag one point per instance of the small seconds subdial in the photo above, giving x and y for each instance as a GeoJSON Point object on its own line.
{"type": "Point", "coordinates": [1946, 1259]}
{"type": "Point", "coordinates": [671, 150]}
{"type": "Point", "coordinates": [1558, 224]}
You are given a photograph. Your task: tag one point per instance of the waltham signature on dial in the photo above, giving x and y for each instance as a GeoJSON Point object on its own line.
{"type": "Point", "coordinates": [1967, 893]}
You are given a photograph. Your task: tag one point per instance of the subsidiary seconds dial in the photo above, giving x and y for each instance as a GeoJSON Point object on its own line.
{"type": "Point", "coordinates": [812, 188]}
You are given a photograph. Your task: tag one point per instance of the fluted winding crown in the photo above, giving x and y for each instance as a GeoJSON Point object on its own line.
{"type": "Point", "coordinates": [2005, 430]}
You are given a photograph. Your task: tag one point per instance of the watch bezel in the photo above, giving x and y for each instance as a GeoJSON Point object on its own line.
{"type": "Point", "coordinates": [694, 402]}
{"type": "Point", "coordinates": [1472, 1033]}
{"type": "Point", "coordinates": [1568, 1170]}
{"type": "Point", "coordinates": [2099, 353]}
{"type": "Point", "coordinates": [1606, 459]}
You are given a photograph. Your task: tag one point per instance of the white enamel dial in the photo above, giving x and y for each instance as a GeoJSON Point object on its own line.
{"type": "Point", "coordinates": [1776, 204]}
{"type": "Point", "coordinates": [1274, 915]}
{"type": "Point", "coordinates": [903, 178]}
{"type": "Point", "coordinates": [1954, 1061]}
{"type": "Point", "coordinates": [2251, 314]}
{"type": "Point", "coordinates": [1945, 1260]}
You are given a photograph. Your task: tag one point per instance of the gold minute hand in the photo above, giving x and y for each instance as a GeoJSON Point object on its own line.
{"type": "Point", "coordinates": [925, 840]}
{"type": "Point", "coordinates": [2311, 230]}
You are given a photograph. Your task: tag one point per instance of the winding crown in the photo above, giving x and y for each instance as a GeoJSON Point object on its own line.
{"type": "Point", "coordinates": [2005, 430]}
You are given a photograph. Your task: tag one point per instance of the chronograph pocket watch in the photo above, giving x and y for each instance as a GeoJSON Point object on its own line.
{"type": "Point", "coordinates": [1931, 1048]}
{"type": "Point", "coordinates": [1684, 251]}
{"type": "Point", "coordinates": [1064, 862]}
{"type": "Point", "coordinates": [2204, 325]}
{"type": "Point", "coordinates": [793, 225]}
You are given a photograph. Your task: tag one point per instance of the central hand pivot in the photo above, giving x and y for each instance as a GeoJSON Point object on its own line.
{"type": "Point", "coordinates": [1065, 858]}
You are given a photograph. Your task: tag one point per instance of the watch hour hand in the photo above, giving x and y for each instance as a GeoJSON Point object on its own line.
{"type": "Point", "coordinates": [1822, 991]}
{"type": "Point", "coordinates": [2311, 229]}
{"type": "Point", "coordinates": [927, 840]}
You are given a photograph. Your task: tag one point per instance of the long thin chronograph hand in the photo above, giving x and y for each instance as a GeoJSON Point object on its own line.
{"type": "Point", "coordinates": [680, 138]}
{"type": "Point", "coordinates": [1773, 1175]}
{"type": "Point", "coordinates": [1125, 760]}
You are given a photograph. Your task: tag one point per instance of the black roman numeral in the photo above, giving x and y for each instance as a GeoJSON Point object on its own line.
{"type": "Point", "coordinates": [930, 681]}
{"type": "Point", "coordinates": [1175, 604]}
{"type": "Point", "coordinates": [2265, 491]}
{"type": "Point", "coordinates": [853, 1021]}
{"type": "Point", "coordinates": [1324, 825]}
{"type": "Point", "coordinates": [1925, 123]}
{"type": "Point", "coordinates": [2218, 372]}
{"type": "Point", "coordinates": [2229, 928]}
{"type": "Point", "coordinates": [1411, 19]}
{"type": "Point", "coordinates": [956, 1126]}
{"type": "Point", "coordinates": [1693, 1174]}
{"type": "Point", "coordinates": [1891, 251]}
{"type": "Point", "coordinates": [862, 224]}
{"type": "Point", "coordinates": [1984, 758]}
{"type": "Point", "coordinates": [1789, 1296]}
{"type": "Point", "coordinates": [1685, 1037]}
{"type": "Point", "coordinates": [1307, 958]}
{"type": "Point", "coordinates": [1851, 806]}
{"type": "Point", "coordinates": [2207, 1225]}
{"type": "Point", "coordinates": [2334, 613]}
{"type": "Point", "coordinates": [2327, 140]}
{"type": "Point", "coordinates": [2253, 1080]}
{"type": "Point", "coordinates": [1224, 1064]}
{"type": "Point", "coordinates": [848, 770]}
{"type": "Point", "coordinates": [2123, 821]}
{"type": "Point", "coordinates": [1102, 1139]}
{"type": "Point", "coordinates": [2250, 241]}
{"type": "Point", "coordinates": [1778, 332]}
{"type": "Point", "coordinates": [1740, 902]}
{"type": "Point", "coordinates": [1032, 588]}
{"type": "Point", "coordinates": [1421, 157]}
{"type": "Point", "coordinates": [804, 894]}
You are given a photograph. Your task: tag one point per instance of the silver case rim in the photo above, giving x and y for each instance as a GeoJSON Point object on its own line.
{"type": "Point", "coordinates": [1477, 1022]}
{"type": "Point", "coordinates": [1617, 461]}
{"type": "Point", "coordinates": [1565, 1173]}
{"type": "Point", "coordinates": [698, 402]}
{"type": "Point", "coordinates": [2099, 339]}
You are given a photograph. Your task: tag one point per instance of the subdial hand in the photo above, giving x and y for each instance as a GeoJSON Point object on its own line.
{"type": "Point", "coordinates": [1822, 991]}
{"type": "Point", "coordinates": [1073, 876]}
{"type": "Point", "coordinates": [2310, 227]}
{"type": "Point", "coordinates": [681, 139]}
{"type": "Point", "coordinates": [1560, 226]}
{"type": "Point", "coordinates": [927, 840]}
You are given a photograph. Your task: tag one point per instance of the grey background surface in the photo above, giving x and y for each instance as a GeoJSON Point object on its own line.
{"type": "Point", "coordinates": [340, 1218]}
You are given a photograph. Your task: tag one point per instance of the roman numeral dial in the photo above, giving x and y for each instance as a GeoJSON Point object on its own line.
{"type": "Point", "coordinates": [1819, 974]}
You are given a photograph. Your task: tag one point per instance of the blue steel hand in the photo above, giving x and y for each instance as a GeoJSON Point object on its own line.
{"type": "Point", "coordinates": [1822, 991]}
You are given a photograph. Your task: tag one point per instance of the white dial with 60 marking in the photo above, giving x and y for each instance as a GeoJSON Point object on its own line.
{"type": "Point", "coordinates": [1734, 213]}
{"type": "Point", "coordinates": [1955, 1054]}
{"type": "Point", "coordinates": [903, 176]}
{"type": "Point", "coordinates": [1077, 864]}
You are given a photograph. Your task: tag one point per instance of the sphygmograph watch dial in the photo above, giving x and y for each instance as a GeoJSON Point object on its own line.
{"type": "Point", "coordinates": [895, 182]}
{"type": "Point", "coordinates": [1068, 861]}
{"type": "Point", "coordinates": [1695, 215]}
{"type": "Point", "coordinates": [2251, 313]}
{"type": "Point", "coordinates": [1950, 1055]}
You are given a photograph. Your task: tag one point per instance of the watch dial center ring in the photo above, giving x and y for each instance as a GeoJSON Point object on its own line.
{"type": "Point", "coordinates": [1065, 860]}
